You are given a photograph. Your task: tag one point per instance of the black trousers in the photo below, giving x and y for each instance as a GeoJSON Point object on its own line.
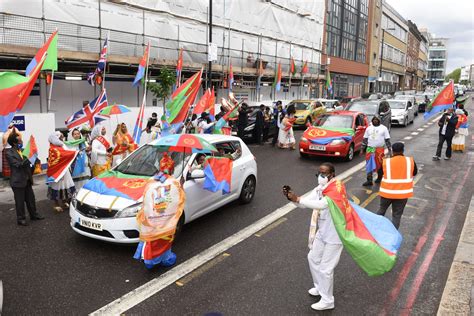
{"type": "Point", "coordinates": [266, 129]}
{"type": "Point", "coordinates": [24, 196]}
{"type": "Point", "coordinates": [398, 205]}
{"type": "Point", "coordinates": [275, 136]}
{"type": "Point", "coordinates": [442, 139]}
{"type": "Point", "coordinates": [257, 135]}
{"type": "Point", "coordinates": [240, 131]}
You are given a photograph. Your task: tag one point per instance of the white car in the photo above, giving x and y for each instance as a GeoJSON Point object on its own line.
{"type": "Point", "coordinates": [412, 100]}
{"type": "Point", "coordinates": [402, 112]}
{"type": "Point", "coordinates": [112, 218]}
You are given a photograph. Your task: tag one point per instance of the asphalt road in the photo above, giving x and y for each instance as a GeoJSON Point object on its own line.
{"type": "Point", "coordinates": [48, 269]}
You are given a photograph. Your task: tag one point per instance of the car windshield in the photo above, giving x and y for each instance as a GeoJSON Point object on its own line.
{"type": "Point", "coordinates": [253, 111]}
{"type": "Point", "coordinates": [404, 97]}
{"type": "Point", "coordinates": [397, 104]}
{"type": "Point", "coordinates": [145, 161]}
{"type": "Point", "coordinates": [301, 106]}
{"type": "Point", "coordinates": [373, 97]}
{"type": "Point", "coordinates": [366, 107]}
{"type": "Point", "coordinates": [339, 121]}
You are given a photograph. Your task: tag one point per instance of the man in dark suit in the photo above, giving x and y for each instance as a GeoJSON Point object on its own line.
{"type": "Point", "coordinates": [21, 181]}
{"type": "Point", "coordinates": [447, 129]}
{"type": "Point", "coordinates": [242, 120]}
{"type": "Point", "coordinates": [259, 122]}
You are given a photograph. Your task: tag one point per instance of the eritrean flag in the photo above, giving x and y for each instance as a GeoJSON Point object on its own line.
{"type": "Point", "coordinates": [225, 118]}
{"type": "Point", "coordinates": [59, 161]}
{"type": "Point", "coordinates": [51, 61]}
{"type": "Point", "coordinates": [142, 67]}
{"type": "Point", "coordinates": [14, 91]}
{"type": "Point", "coordinates": [203, 103]}
{"type": "Point", "coordinates": [370, 239]}
{"type": "Point", "coordinates": [328, 82]}
{"type": "Point", "coordinates": [179, 70]}
{"type": "Point", "coordinates": [292, 67]}
{"type": "Point", "coordinates": [443, 100]}
{"type": "Point", "coordinates": [177, 109]}
{"type": "Point", "coordinates": [118, 184]}
{"type": "Point", "coordinates": [277, 82]}
{"type": "Point", "coordinates": [304, 69]}
{"type": "Point", "coordinates": [231, 78]}
{"type": "Point", "coordinates": [462, 121]}
{"type": "Point", "coordinates": [31, 150]}
{"type": "Point", "coordinates": [325, 135]}
{"type": "Point", "coordinates": [218, 172]}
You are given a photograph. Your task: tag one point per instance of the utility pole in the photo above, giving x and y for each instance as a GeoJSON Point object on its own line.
{"type": "Point", "coordinates": [209, 69]}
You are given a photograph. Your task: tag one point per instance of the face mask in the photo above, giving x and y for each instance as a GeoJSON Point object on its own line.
{"type": "Point", "coordinates": [322, 180]}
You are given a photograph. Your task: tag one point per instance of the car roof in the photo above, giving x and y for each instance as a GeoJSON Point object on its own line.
{"type": "Point", "coordinates": [343, 112]}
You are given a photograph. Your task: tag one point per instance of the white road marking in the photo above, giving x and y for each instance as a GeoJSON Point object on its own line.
{"type": "Point", "coordinates": [154, 286]}
{"type": "Point", "coordinates": [420, 129]}
{"type": "Point", "coordinates": [425, 126]}
{"type": "Point", "coordinates": [414, 133]}
{"type": "Point", "coordinates": [408, 137]}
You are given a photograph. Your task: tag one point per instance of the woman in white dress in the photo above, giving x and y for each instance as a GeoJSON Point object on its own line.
{"type": "Point", "coordinates": [101, 152]}
{"type": "Point", "coordinates": [459, 140]}
{"type": "Point", "coordinates": [286, 138]}
{"type": "Point", "coordinates": [60, 191]}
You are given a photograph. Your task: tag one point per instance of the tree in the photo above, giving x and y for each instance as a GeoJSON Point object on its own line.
{"type": "Point", "coordinates": [455, 75]}
{"type": "Point", "coordinates": [162, 88]}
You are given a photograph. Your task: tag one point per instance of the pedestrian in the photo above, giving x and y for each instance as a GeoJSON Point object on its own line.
{"type": "Point", "coordinates": [101, 153]}
{"type": "Point", "coordinates": [62, 189]}
{"type": "Point", "coordinates": [324, 243]}
{"type": "Point", "coordinates": [80, 167]}
{"type": "Point", "coordinates": [242, 120]}
{"type": "Point", "coordinates": [397, 183]}
{"type": "Point", "coordinates": [459, 138]}
{"type": "Point", "coordinates": [286, 138]}
{"type": "Point", "coordinates": [123, 142]}
{"type": "Point", "coordinates": [21, 180]}
{"type": "Point", "coordinates": [375, 137]}
{"type": "Point", "coordinates": [447, 128]}
{"type": "Point", "coordinates": [277, 114]}
{"type": "Point", "coordinates": [151, 122]}
{"type": "Point", "coordinates": [205, 126]}
{"type": "Point", "coordinates": [267, 121]}
{"type": "Point", "coordinates": [461, 106]}
{"type": "Point", "coordinates": [5, 166]}
{"type": "Point", "coordinates": [259, 125]}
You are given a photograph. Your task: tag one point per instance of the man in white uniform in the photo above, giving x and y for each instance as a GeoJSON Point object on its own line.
{"type": "Point", "coordinates": [375, 137]}
{"type": "Point", "coordinates": [324, 243]}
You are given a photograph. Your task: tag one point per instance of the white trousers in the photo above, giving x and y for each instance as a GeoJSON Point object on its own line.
{"type": "Point", "coordinates": [323, 258]}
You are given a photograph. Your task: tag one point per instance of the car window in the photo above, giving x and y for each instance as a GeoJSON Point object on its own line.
{"type": "Point", "coordinates": [394, 104]}
{"type": "Point", "coordinates": [359, 120]}
{"type": "Point", "coordinates": [301, 105]}
{"type": "Point", "coordinates": [328, 120]}
{"type": "Point", "coordinates": [237, 149]}
{"type": "Point", "coordinates": [230, 149]}
{"type": "Point", "coordinates": [145, 161]}
{"type": "Point", "coordinates": [367, 107]}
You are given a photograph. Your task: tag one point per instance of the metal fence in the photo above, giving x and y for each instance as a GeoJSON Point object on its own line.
{"type": "Point", "coordinates": [33, 32]}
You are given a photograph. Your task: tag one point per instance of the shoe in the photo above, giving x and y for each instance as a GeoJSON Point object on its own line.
{"type": "Point", "coordinates": [313, 292]}
{"type": "Point", "coordinates": [447, 158]}
{"type": "Point", "coordinates": [37, 217]}
{"type": "Point", "coordinates": [435, 158]}
{"type": "Point", "coordinates": [22, 222]}
{"type": "Point", "coordinates": [367, 183]}
{"type": "Point", "coordinates": [320, 306]}
{"type": "Point", "coordinates": [378, 180]}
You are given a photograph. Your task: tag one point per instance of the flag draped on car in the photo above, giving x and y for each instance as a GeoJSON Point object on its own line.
{"type": "Point", "coordinates": [115, 183]}
{"type": "Point", "coordinates": [89, 114]}
{"type": "Point", "coordinates": [218, 174]}
{"type": "Point", "coordinates": [442, 101]}
{"type": "Point", "coordinates": [14, 91]}
{"type": "Point", "coordinates": [325, 135]}
{"type": "Point", "coordinates": [370, 239]}
{"type": "Point", "coordinates": [59, 161]}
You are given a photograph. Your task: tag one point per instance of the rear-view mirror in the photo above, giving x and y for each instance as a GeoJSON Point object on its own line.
{"type": "Point", "coordinates": [197, 174]}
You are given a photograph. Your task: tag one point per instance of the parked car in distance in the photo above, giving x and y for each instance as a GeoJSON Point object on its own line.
{"type": "Point", "coordinates": [248, 131]}
{"type": "Point", "coordinates": [381, 108]}
{"type": "Point", "coordinates": [344, 101]}
{"type": "Point", "coordinates": [338, 147]}
{"type": "Point", "coordinates": [402, 112]}
{"type": "Point", "coordinates": [112, 217]}
{"type": "Point", "coordinates": [375, 96]}
{"type": "Point", "coordinates": [421, 102]}
{"type": "Point", "coordinates": [306, 111]}
{"type": "Point", "coordinates": [412, 100]}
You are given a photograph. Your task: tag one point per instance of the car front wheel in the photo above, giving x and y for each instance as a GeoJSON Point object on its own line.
{"type": "Point", "coordinates": [350, 153]}
{"type": "Point", "coordinates": [248, 190]}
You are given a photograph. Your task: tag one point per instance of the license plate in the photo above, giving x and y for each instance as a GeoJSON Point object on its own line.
{"type": "Point", "coordinates": [90, 224]}
{"type": "Point", "coordinates": [317, 147]}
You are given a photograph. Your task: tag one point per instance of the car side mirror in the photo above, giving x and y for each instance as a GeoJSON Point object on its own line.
{"type": "Point", "coordinates": [197, 174]}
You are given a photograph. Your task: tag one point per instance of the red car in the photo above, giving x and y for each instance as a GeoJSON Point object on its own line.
{"type": "Point", "coordinates": [314, 141]}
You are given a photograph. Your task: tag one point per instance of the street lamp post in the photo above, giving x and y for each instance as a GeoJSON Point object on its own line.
{"type": "Point", "coordinates": [381, 57]}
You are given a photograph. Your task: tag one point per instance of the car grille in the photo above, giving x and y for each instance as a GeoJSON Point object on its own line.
{"type": "Point", "coordinates": [94, 212]}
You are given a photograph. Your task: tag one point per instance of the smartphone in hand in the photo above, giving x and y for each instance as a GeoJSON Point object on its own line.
{"type": "Point", "coordinates": [286, 190]}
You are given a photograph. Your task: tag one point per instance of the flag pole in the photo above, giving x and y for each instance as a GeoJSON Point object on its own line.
{"type": "Point", "coordinates": [48, 104]}
{"type": "Point", "coordinates": [105, 67]}
{"type": "Point", "coordinates": [146, 82]}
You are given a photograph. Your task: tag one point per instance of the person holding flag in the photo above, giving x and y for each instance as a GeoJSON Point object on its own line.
{"type": "Point", "coordinates": [447, 128]}
{"type": "Point", "coordinates": [462, 126]}
{"type": "Point", "coordinates": [124, 143]}
{"type": "Point", "coordinates": [286, 137]}
{"type": "Point", "coordinates": [21, 180]}
{"type": "Point", "coordinates": [101, 153]}
{"type": "Point", "coordinates": [80, 168]}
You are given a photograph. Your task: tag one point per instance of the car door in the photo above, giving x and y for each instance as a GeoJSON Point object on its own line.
{"type": "Point", "coordinates": [411, 113]}
{"type": "Point", "coordinates": [359, 125]}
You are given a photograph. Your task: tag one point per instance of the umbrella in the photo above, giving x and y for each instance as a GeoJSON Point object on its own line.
{"type": "Point", "coordinates": [115, 109]}
{"type": "Point", "coordinates": [185, 143]}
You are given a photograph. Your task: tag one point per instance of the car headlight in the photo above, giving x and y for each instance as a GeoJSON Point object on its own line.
{"type": "Point", "coordinates": [337, 142]}
{"type": "Point", "coordinates": [249, 128]}
{"type": "Point", "coordinates": [130, 211]}
{"type": "Point", "coordinates": [304, 139]}
{"type": "Point", "coordinates": [74, 200]}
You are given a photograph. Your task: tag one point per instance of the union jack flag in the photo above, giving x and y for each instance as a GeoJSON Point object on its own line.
{"type": "Point", "coordinates": [100, 64]}
{"type": "Point", "coordinates": [89, 114]}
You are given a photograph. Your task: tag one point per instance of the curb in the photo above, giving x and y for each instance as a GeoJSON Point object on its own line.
{"type": "Point", "coordinates": [458, 294]}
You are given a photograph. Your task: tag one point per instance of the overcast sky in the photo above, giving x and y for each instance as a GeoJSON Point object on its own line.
{"type": "Point", "coordinates": [445, 18]}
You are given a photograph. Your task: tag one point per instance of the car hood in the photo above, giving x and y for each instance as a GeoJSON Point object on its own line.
{"type": "Point", "coordinates": [312, 133]}
{"type": "Point", "coordinates": [113, 190]}
{"type": "Point", "coordinates": [396, 112]}
{"type": "Point", "coordinates": [301, 113]}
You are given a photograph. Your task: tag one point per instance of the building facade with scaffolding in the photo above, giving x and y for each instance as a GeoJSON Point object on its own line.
{"type": "Point", "coordinates": [243, 34]}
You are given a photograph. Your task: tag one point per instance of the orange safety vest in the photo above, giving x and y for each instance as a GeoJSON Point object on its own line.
{"type": "Point", "coordinates": [397, 182]}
